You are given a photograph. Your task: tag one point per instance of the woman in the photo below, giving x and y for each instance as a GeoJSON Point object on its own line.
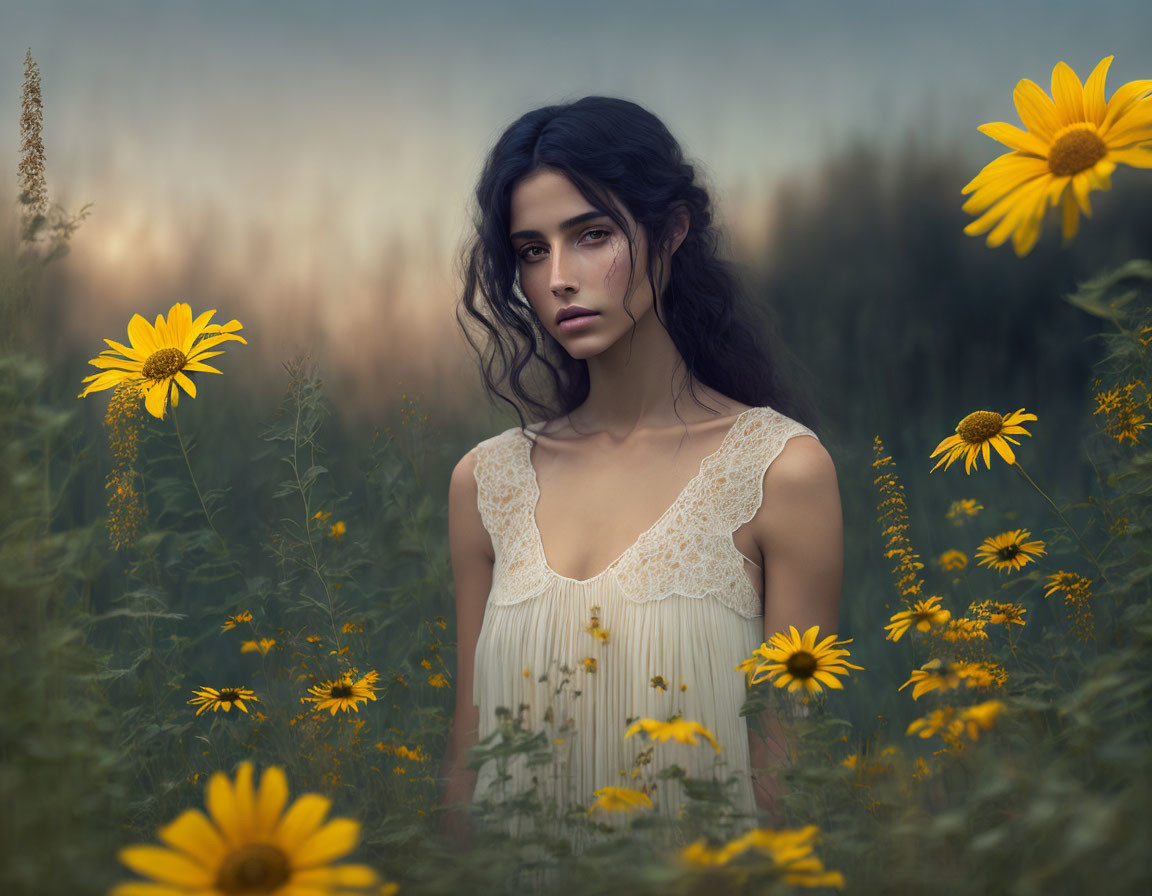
{"type": "Point", "coordinates": [563, 609]}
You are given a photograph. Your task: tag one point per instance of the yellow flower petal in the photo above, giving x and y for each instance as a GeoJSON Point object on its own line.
{"type": "Point", "coordinates": [301, 821]}
{"type": "Point", "coordinates": [192, 833]}
{"type": "Point", "coordinates": [1068, 93]}
{"type": "Point", "coordinates": [1035, 109]}
{"type": "Point", "coordinates": [271, 799]}
{"type": "Point", "coordinates": [166, 866]}
{"type": "Point", "coordinates": [1094, 103]}
{"type": "Point", "coordinates": [337, 838]}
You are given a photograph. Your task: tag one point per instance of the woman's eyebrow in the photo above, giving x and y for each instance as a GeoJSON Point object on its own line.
{"type": "Point", "coordinates": [564, 225]}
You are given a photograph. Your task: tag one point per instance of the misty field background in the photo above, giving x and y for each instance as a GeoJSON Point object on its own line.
{"type": "Point", "coordinates": [329, 530]}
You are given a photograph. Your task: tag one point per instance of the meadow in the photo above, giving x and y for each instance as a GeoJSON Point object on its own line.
{"type": "Point", "coordinates": [250, 610]}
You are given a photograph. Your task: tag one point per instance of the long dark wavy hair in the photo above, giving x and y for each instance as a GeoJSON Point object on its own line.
{"type": "Point", "coordinates": [609, 147]}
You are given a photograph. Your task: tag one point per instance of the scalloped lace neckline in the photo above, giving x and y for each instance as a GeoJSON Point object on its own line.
{"type": "Point", "coordinates": [534, 501]}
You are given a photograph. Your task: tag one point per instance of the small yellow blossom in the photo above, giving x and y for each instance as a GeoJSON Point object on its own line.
{"type": "Point", "coordinates": [337, 530]}
{"type": "Point", "coordinates": [262, 646]}
{"type": "Point", "coordinates": [233, 621]}
{"type": "Point", "coordinates": [953, 560]}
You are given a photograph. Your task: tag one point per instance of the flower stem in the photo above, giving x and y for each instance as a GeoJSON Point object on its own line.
{"type": "Point", "coordinates": [191, 475]}
{"type": "Point", "coordinates": [1064, 519]}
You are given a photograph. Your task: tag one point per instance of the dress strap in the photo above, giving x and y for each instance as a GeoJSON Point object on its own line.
{"type": "Point", "coordinates": [733, 489]}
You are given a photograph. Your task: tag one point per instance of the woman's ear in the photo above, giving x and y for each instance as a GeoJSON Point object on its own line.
{"type": "Point", "coordinates": [680, 225]}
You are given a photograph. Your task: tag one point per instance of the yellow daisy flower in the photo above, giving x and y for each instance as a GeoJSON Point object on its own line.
{"type": "Point", "coordinates": [1009, 550]}
{"type": "Point", "coordinates": [619, 799]}
{"type": "Point", "coordinates": [161, 354]}
{"type": "Point", "coordinates": [964, 629]}
{"type": "Point", "coordinates": [981, 716]}
{"type": "Point", "coordinates": [659, 682]}
{"type": "Point", "coordinates": [677, 729]}
{"type": "Point", "coordinates": [248, 843]}
{"type": "Point", "coordinates": [1073, 142]}
{"type": "Point", "coordinates": [932, 675]}
{"type": "Point", "coordinates": [923, 615]}
{"type": "Point", "coordinates": [798, 661]}
{"type": "Point", "coordinates": [789, 850]}
{"type": "Point", "coordinates": [1008, 614]}
{"type": "Point", "coordinates": [343, 693]}
{"type": "Point", "coordinates": [965, 507]}
{"type": "Point", "coordinates": [1068, 582]}
{"type": "Point", "coordinates": [225, 699]}
{"type": "Point", "coordinates": [953, 560]}
{"type": "Point", "coordinates": [262, 646]}
{"type": "Point", "coordinates": [943, 721]}
{"type": "Point", "coordinates": [978, 433]}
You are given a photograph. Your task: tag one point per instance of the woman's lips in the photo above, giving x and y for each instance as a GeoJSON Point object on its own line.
{"type": "Point", "coordinates": [575, 323]}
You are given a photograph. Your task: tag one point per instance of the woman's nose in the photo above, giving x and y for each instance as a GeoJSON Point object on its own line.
{"type": "Point", "coordinates": [562, 277]}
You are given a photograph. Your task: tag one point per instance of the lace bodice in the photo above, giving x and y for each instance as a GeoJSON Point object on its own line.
{"type": "Point", "coordinates": [688, 551]}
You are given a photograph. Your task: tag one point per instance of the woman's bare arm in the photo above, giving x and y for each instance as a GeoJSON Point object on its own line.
{"type": "Point", "coordinates": [800, 528]}
{"type": "Point", "coordinates": [472, 560]}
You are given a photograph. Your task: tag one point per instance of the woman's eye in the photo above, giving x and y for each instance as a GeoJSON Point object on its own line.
{"type": "Point", "coordinates": [590, 232]}
{"type": "Point", "coordinates": [524, 254]}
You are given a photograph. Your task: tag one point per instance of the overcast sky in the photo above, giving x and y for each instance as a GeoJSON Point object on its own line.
{"type": "Point", "coordinates": [301, 151]}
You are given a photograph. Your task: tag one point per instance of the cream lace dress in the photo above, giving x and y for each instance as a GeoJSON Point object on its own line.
{"type": "Point", "coordinates": [676, 604]}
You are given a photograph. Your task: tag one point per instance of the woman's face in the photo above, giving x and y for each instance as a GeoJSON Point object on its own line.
{"type": "Point", "coordinates": [569, 253]}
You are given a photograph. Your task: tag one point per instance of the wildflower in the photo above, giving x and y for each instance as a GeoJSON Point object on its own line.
{"type": "Point", "coordinates": [337, 530]}
{"type": "Point", "coordinates": [677, 729]}
{"type": "Point", "coordinates": [439, 680]}
{"type": "Point", "coordinates": [33, 189]}
{"type": "Point", "coordinates": [943, 721]}
{"type": "Point", "coordinates": [1077, 596]}
{"type": "Point", "coordinates": [440, 621]}
{"type": "Point", "coordinates": [126, 510]}
{"type": "Point", "coordinates": [965, 507]}
{"type": "Point", "coordinates": [932, 675]}
{"type": "Point", "coordinates": [964, 629]}
{"type": "Point", "coordinates": [683, 687]}
{"type": "Point", "coordinates": [978, 433]}
{"type": "Point", "coordinates": [1008, 614]}
{"type": "Point", "coordinates": [1072, 144]}
{"type": "Point", "coordinates": [1066, 582]}
{"type": "Point", "coordinates": [659, 682]}
{"type": "Point", "coordinates": [161, 355]}
{"type": "Point", "coordinates": [620, 799]}
{"type": "Point", "coordinates": [589, 663]}
{"type": "Point", "coordinates": [321, 515]}
{"type": "Point", "coordinates": [894, 518]}
{"type": "Point", "coordinates": [232, 621]}
{"type": "Point", "coordinates": [981, 674]}
{"type": "Point", "coordinates": [263, 646]}
{"type": "Point", "coordinates": [313, 639]}
{"type": "Point", "coordinates": [342, 693]}
{"type": "Point", "coordinates": [527, 672]}
{"type": "Point", "coordinates": [920, 769]}
{"type": "Point", "coordinates": [789, 850]}
{"type": "Point", "coordinates": [952, 560]}
{"type": "Point", "coordinates": [981, 716]}
{"type": "Point", "coordinates": [248, 844]}
{"type": "Point", "coordinates": [1122, 419]}
{"type": "Point", "coordinates": [1009, 550]}
{"type": "Point", "coordinates": [798, 661]}
{"type": "Point", "coordinates": [225, 699]}
{"type": "Point", "coordinates": [923, 615]}
{"type": "Point", "coordinates": [352, 628]}
{"type": "Point", "coordinates": [426, 663]}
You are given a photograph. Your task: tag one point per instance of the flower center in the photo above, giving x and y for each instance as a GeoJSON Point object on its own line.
{"type": "Point", "coordinates": [251, 869]}
{"type": "Point", "coordinates": [1075, 151]}
{"type": "Point", "coordinates": [341, 691]}
{"type": "Point", "coordinates": [1009, 551]}
{"type": "Point", "coordinates": [979, 426]}
{"type": "Point", "coordinates": [801, 664]}
{"type": "Point", "coordinates": [164, 363]}
{"type": "Point", "coordinates": [229, 695]}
